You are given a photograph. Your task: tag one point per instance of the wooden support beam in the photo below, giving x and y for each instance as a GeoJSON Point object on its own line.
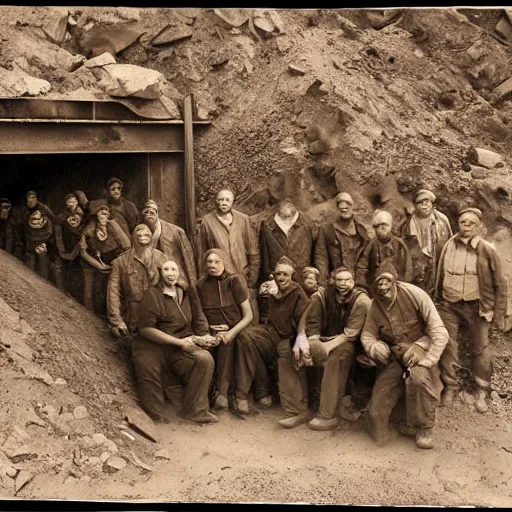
{"type": "Point", "coordinates": [190, 189]}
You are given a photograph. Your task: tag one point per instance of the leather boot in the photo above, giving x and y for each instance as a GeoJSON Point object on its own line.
{"type": "Point", "coordinates": [242, 406]}
{"type": "Point", "coordinates": [323, 424]}
{"type": "Point", "coordinates": [296, 419]}
{"type": "Point", "coordinates": [480, 403]}
{"type": "Point", "coordinates": [448, 396]}
{"type": "Point", "coordinates": [425, 438]}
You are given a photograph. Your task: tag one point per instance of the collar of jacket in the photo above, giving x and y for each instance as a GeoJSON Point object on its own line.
{"type": "Point", "coordinates": [473, 242]}
{"type": "Point", "coordinates": [271, 224]}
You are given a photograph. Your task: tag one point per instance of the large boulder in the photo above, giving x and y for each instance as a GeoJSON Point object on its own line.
{"type": "Point", "coordinates": [16, 83]}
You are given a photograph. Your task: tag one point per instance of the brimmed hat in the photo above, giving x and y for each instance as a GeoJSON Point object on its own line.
{"type": "Point", "coordinates": [386, 271]}
{"type": "Point", "coordinates": [422, 194]}
{"type": "Point", "coordinates": [98, 204]}
{"type": "Point", "coordinates": [474, 211]}
{"type": "Point", "coordinates": [5, 201]}
{"type": "Point", "coordinates": [150, 205]}
{"type": "Point", "coordinates": [68, 196]}
{"type": "Point", "coordinates": [310, 270]}
{"type": "Point", "coordinates": [344, 196]}
{"type": "Point", "coordinates": [111, 181]}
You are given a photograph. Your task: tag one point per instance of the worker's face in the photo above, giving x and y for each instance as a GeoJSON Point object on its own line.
{"type": "Point", "coordinates": [143, 236]}
{"type": "Point", "coordinates": [170, 273]}
{"type": "Point", "coordinates": [224, 201]}
{"type": "Point", "coordinates": [286, 211]}
{"type": "Point", "coordinates": [114, 191]}
{"type": "Point", "coordinates": [309, 282]}
{"type": "Point", "coordinates": [150, 216]}
{"type": "Point", "coordinates": [4, 211]}
{"type": "Point", "coordinates": [214, 264]}
{"type": "Point", "coordinates": [72, 204]}
{"type": "Point", "coordinates": [344, 282]}
{"type": "Point", "coordinates": [346, 209]}
{"type": "Point", "coordinates": [102, 216]}
{"type": "Point", "coordinates": [31, 200]}
{"type": "Point", "coordinates": [382, 226]}
{"type": "Point", "coordinates": [469, 225]}
{"type": "Point", "coordinates": [36, 220]}
{"type": "Point", "coordinates": [283, 277]}
{"type": "Point", "coordinates": [424, 207]}
{"type": "Point", "coordinates": [385, 288]}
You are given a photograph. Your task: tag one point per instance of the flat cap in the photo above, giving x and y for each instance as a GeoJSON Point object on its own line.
{"type": "Point", "coordinates": [422, 194]}
{"type": "Point", "coordinates": [474, 211]}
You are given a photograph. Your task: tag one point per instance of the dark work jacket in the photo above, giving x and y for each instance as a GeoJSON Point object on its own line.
{"type": "Point", "coordinates": [6, 234]}
{"type": "Point", "coordinates": [162, 312]}
{"type": "Point", "coordinates": [297, 245]}
{"type": "Point", "coordinates": [218, 299]}
{"type": "Point", "coordinates": [284, 312]}
{"type": "Point", "coordinates": [330, 252]}
{"type": "Point", "coordinates": [125, 213]}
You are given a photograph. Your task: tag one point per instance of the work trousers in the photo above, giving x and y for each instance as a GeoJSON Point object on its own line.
{"type": "Point", "coordinates": [334, 380]}
{"type": "Point", "coordinates": [422, 394]}
{"type": "Point", "coordinates": [194, 371]}
{"type": "Point", "coordinates": [44, 262]}
{"type": "Point", "coordinates": [466, 313]}
{"type": "Point", "coordinates": [95, 286]}
{"type": "Point", "coordinates": [224, 356]}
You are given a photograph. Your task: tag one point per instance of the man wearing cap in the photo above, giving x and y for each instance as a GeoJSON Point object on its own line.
{"type": "Point", "coordinates": [231, 231]}
{"type": "Point", "coordinates": [171, 240]}
{"type": "Point", "coordinates": [404, 333]}
{"type": "Point", "coordinates": [133, 272]}
{"type": "Point", "coordinates": [425, 232]}
{"type": "Point", "coordinates": [6, 226]}
{"type": "Point", "coordinates": [101, 242]}
{"type": "Point", "coordinates": [340, 243]}
{"type": "Point", "coordinates": [121, 210]}
{"type": "Point", "coordinates": [384, 247]}
{"type": "Point", "coordinates": [286, 233]}
{"type": "Point", "coordinates": [472, 291]}
{"type": "Point", "coordinates": [335, 318]}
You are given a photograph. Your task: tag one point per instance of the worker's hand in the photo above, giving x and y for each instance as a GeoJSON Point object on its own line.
{"type": "Point", "coordinates": [225, 337]}
{"type": "Point", "coordinates": [105, 269]}
{"type": "Point", "coordinates": [301, 346]}
{"type": "Point", "coordinates": [207, 341]}
{"type": "Point", "coordinates": [189, 346]}
{"type": "Point", "coordinates": [426, 363]}
{"type": "Point", "coordinates": [380, 352]}
{"type": "Point", "coordinates": [41, 248]}
{"type": "Point", "coordinates": [413, 355]}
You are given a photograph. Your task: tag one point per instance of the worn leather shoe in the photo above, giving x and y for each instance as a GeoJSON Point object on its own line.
{"type": "Point", "coordinates": [425, 439]}
{"type": "Point", "coordinates": [204, 418]}
{"type": "Point", "coordinates": [242, 406]}
{"type": "Point", "coordinates": [221, 402]}
{"type": "Point", "coordinates": [265, 402]}
{"type": "Point", "coordinates": [324, 423]}
{"type": "Point", "coordinates": [448, 397]}
{"type": "Point", "coordinates": [480, 403]}
{"type": "Point", "coordinates": [296, 419]}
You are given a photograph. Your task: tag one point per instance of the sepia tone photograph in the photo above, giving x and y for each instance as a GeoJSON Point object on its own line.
{"type": "Point", "coordinates": [256, 255]}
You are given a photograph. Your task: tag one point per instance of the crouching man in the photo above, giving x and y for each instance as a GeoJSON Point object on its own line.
{"type": "Point", "coordinates": [404, 332]}
{"type": "Point", "coordinates": [334, 322]}
{"type": "Point", "coordinates": [173, 337]}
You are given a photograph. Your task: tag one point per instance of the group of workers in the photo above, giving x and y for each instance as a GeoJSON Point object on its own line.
{"type": "Point", "coordinates": [334, 299]}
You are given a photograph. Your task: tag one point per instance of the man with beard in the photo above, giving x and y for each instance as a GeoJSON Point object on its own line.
{"type": "Point", "coordinates": [6, 225]}
{"type": "Point", "coordinates": [342, 242]}
{"type": "Point", "coordinates": [384, 247]}
{"type": "Point", "coordinates": [225, 303]}
{"type": "Point", "coordinates": [132, 274]}
{"type": "Point", "coordinates": [404, 333]}
{"type": "Point", "coordinates": [230, 231]}
{"type": "Point", "coordinates": [102, 241]}
{"type": "Point", "coordinates": [334, 322]}
{"type": "Point", "coordinates": [262, 345]}
{"type": "Point", "coordinates": [286, 233]}
{"type": "Point", "coordinates": [69, 226]}
{"type": "Point", "coordinates": [121, 210]}
{"type": "Point", "coordinates": [171, 240]}
{"type": "Point", "coordinates": [425, 232]}
{"type": "Point", "coordinates": [40, 246]}
{"type": "Point", "coordinates": [472, 291]}
{"type": "Point", "coordinates": [20, 215]}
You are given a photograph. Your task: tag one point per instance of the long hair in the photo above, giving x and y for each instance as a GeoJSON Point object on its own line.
{"type": "Point", "coordinates": [223, 256]}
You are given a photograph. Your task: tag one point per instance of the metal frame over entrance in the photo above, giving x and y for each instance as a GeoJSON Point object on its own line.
{"type": "Point", "coordinates": [49, 126]}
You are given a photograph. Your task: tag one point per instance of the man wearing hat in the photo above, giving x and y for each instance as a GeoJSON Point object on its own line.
{"type": "Point", "coordinates": [472, 291]}
{"type": "Point", "coordinates": [385, 247]}
{"type": "Point", "coordinates": [404, 333]}
{"type": "Point", "coordinates": [6, 225]}
{"type": "Point", "coordinates": [121, 210]}
{"type": "Point", "coordinates": [133, 272]}
{"type": "Point", "coordinates": [425, 232]}
{"type": "Point", "coordinates": [286, 233]}
{"type": "Point", "coordinates": [342, 242]}
{"type": "Point", "coordinates": [171, 240]}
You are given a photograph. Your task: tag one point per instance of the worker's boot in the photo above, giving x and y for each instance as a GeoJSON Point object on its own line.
{"type": "Point", "coordinates": [295, 420]}
{"type": "Point", "coordinates": [480, 403]}
{"type": "Point", "coordinates": [221, 402]}
{"type": "Point", "coordinates": [320, 423]}
{"type": "Point", "coordinates": [265, 402]}
{"type": "Point", "coordinates": [242, 406]}
{"type": "Point", "coordinates": [448, 396]}
{"type": "Point", "coordinates": [425, 438]}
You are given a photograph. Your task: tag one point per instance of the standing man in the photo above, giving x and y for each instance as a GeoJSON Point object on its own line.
{"type": "Point", "coordinates": [121, 210]}
{"type": "Point", "coordinates": [342, 242]}
{"type": "Point", "coordinates": [425, 232]}
{"type": "Point", "coordinates": [334, 322]}
{"type": "Point", "coordinates": [384, 247]}
{"type": "Point", "coordinates": [231, 231]}
{"type": "Point", "coordinates": [404, 333]}
{"type": "Point", "coordinates": [132, 274]}
{"type": "Point", "coordinates": [171, 240]}
{"type": "Point", "coordinates": [472, 291]}
{"type": "Point", "coordinates": [6, 226]}
{"type": "Point", "coordinates": [286, 233]}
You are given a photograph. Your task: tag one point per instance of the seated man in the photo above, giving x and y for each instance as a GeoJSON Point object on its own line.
{"type": "Point", "coordinates": [225, 302]}
{"type": "Point", "coordinates": [173, 331]}
{"type": "Point", "coordinates": [132, 274]}
{"type": "Point", "coordinates": [334, 322]}
{"type": "Point", "coordinates": [404, 332]}
{"type": "Point", "coordinates": [262, 345]}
